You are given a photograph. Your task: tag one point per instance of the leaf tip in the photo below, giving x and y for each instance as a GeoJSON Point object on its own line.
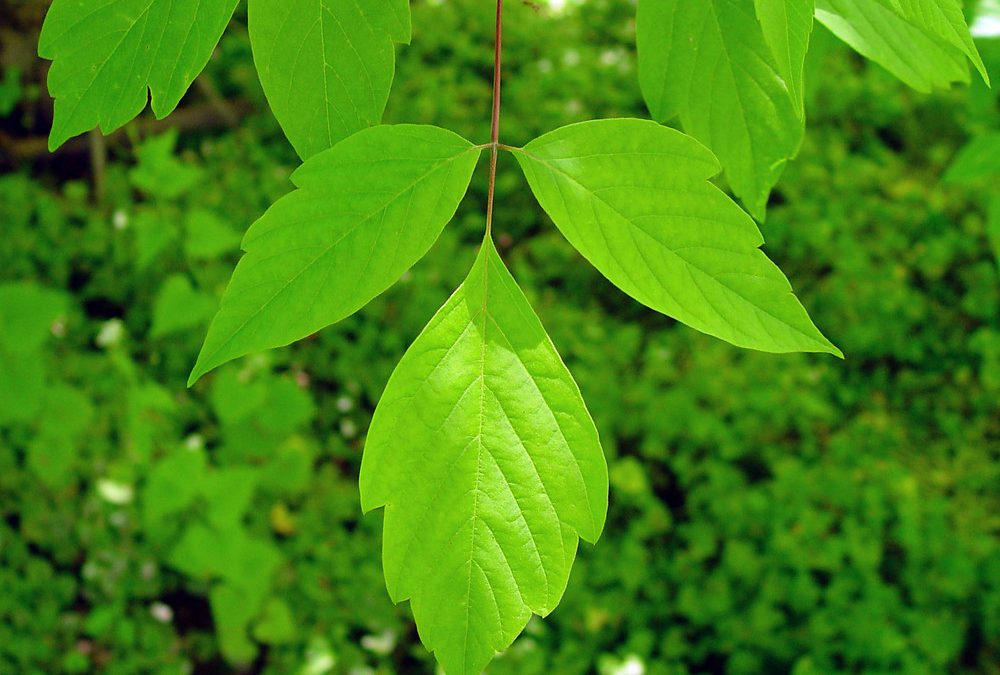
{"type": "Point", "coordinates": [200, 370]}
{"type": "Point", "coordinates": [55, 140]}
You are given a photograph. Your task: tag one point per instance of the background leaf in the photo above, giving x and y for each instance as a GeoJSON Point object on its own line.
{"type": "Point", "coordinates": [107, 55]}
{"type": "Point", "coordinates": [916, 57]}
{"type": "Point", "coordinates": [326, 65]}
{"type": "Point", "coordinates": [365, 211]}
{"type": "Point", "coordinates": [634, 199]}
{"type": "Point", "coordinates": [708, 64]}
{"type": "Point", "coordinates": [944, 20]}
{"type": "Point", "coordinates": [978, 160]}
{"type": "Point", "coordinates": [489, 466]}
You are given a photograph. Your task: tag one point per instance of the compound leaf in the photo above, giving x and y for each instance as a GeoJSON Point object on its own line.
{"type": "Point", "coordinates": [326, 66]}
{"type": "Point", "coordinates": [365, 211]}
{"type": "Point", "coordinates": [634, 199]}
{"type": "Point", "coordinates": [107, 54]}
{"type": "Point", "coordinates": [787, 26]}
{"type": "Point", "coordinates": [489, 468]}
{"type": "Point", "coordinates": [707, 62]}
{"type": "Point", "coordinates": [918, 58]}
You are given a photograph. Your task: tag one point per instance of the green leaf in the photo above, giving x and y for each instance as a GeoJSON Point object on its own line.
{"type": "Point", "coordinates": [365, 211]}
{"type": "Point", "coordinates": [276, 624]}
{"type": "Point", "coordinates": [916, 57]}
{"type": "Point", "coordinates": [993, 225]}
{"type": "Point", "coordinates": [979, 160]}
{"type": "Point", "coordinates": [787, 26]}
{"type": "Point", "coordinates": [489, 467]}
{"type": "Point", "coordinates": [107, 54]}
{"type": "Point", "coordinates": [326, 66]}
{"type": "Point", "coordinates": [27, 312]}
{"type": "Point", "coordinates": [708, 64]}
{"type": "Point", "coordinates": [208, 237]}
{"type": "Point", "coordinates": [172, 485]}
{"type": "Point", "coordinates": [232, 614]}
{"type": "Point", "coordinates": [944, 20]}
{"type": "Point", "coordinates": [160, 173]}
{"type": "Point", "coordinates": [179, 307]}
{"type": "Point", "coordinates": [634, 198]}
{"type": "Point", "coordinates": [23, 390]}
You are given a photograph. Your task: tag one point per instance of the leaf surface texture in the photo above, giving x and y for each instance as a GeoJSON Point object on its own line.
{"type": "Point", "coordinates": [326, 65]}
{"type": "Point", "coordinates": [911, 53]}
{"type": "Point", "coordinates": [707, 63]}
{"type": "Point", "coordinates": [634, 198]}
{"type": "Point", "coordinates": [364, 212]}
{"type": "Point", "coordinates": [109, 55]}
{"type": "Point", "coordinates": [489, 468]}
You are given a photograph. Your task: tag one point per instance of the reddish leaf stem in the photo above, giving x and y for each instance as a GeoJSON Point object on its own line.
{"type": "Point", "coordinates": [495, 125]}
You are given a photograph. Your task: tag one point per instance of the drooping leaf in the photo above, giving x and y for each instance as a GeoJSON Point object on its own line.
{"type": "Point", "coordinates": [326, 65]}
{"type": "Point", "coordinates": [365, 211]}
{"type": "Point", "coordinates": [944, 20]}
{"type": "Point", "coordinates": [634, 198]}
{"type": "Point", "coordinates": [489, 468]}
{"type": "Point", "coordinates": [109, 55]}
{"type": "Point", "coordinates": [707, 63]}
{"type": "Point", "coordinates": [787, 26]}
{"type": "Point", "coordinates": [918, 58]}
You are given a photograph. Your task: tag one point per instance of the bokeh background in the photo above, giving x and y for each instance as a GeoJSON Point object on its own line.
{"type": "Point", "coordinates": [769, 514]}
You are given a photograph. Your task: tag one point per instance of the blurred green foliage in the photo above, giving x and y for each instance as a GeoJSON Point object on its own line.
{"type": "Point", "coordinates": [768, 514]}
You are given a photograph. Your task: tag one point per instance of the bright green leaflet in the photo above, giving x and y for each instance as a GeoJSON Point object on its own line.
{"type": "Point", "coordinates": [326, 65]}
{"type": "Point", "coordinates": [489, 467]}
{"type": "Point", "coordinates": [107, 53]}
{"type": "Point", "coordinates": [787, 26]}
{"type": "Point", "coordinates": [727, 91]}
{"type": "Point", "coordinates": [365, 211]}
{"type": "Point", "coordinates": [916, 57]}
{"type": "Point", "coordinates": [634, 198]}
{"type": "Point", "coordinates": [944, 20]}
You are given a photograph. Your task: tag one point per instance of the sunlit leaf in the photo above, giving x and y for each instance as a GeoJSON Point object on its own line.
{"type": "Point", "coordinates": [489, 467]}
{"type": "Point", "coordinates": [326, 66]}
{"type": "Point", "coordinates": [365, 211]}
{"type": "Point", "coordinates": [918, 58]}
{"type": "Point", "coordinates": [708, 64]}
{"type": "Point", "coordinates": [634, 198]}
{"type": "Point", "coordinates": [110, 55]}
{"type": "Point", "coordinates": [944, 20]}
{"type": "Point", "coordinates": [787, 26]}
